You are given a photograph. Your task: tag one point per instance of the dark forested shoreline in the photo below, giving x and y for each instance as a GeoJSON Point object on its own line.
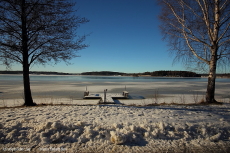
{"type": "Point", "coordinates": [35, 72]}
{"type": "Point", "coordinates": [111, 73]}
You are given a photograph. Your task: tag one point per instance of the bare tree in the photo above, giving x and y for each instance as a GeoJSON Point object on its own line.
{"type": "Point", "coordinates": [198, 31]}
{"type": "Point", "coordinates": [37, 32]}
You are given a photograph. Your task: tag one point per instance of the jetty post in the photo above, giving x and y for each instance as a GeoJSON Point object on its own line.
{"type": "Point", "coordinates": [86, 93]}
{"type": "Point", "coordinates": [105, 95]}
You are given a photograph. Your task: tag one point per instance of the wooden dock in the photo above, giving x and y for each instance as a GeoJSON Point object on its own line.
{"type": "Point", "coordinates": [106, 97]}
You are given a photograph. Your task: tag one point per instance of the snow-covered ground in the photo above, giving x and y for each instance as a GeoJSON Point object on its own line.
{"type": "Point", "coordinates": [127, 126]}
{"type": "Point", "coordinates": [116, 128]}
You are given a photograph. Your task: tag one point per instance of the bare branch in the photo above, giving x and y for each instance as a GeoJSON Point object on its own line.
{"type": "Point", "coordinates": [206, 17]}
{"type": "Point", "coordinates": [193, 51]}
{"type": "Point", "coordinates": [225, 41]}
{"type": "Point", "coordinates": [51, 27]}
{"type": "Point", "coordinates": [224, 33]}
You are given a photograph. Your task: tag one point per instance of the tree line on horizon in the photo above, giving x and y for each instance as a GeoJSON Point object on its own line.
{"type": "Point", "coordinates": [161, 73]}
{"type": "Point", "coordinates": [154, 73]}
{"type": "Point", "coordinates": [102, 73]}
{"type": "Point", "coordinates": [35, 72]}
{"type": "Point", "coordinates": [173, 73]}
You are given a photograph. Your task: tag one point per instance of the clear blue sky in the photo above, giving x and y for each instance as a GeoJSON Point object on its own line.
{"type": "Point", "coordinates": [125, 37]}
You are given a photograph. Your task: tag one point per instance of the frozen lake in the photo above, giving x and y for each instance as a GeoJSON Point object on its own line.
{"type": "Point", "coordinates": [80, 78]}
{"type": "Point", "coordinates": [138, 87]}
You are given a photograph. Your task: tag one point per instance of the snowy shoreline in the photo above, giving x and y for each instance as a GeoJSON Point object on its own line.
{"type": "Point", "coordinates": [116, 128]}
{"type": "Point", "coordinates": [85, 126]}
{"type": "Point", "coordinates": [157, 99]}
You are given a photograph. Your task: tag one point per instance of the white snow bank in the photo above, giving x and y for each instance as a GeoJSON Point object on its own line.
{"type": "Point", "coordinates": [101, 128]}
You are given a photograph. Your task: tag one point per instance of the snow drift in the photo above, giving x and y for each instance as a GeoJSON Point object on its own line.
{"type": "Point", "coordinates": [97, 128]}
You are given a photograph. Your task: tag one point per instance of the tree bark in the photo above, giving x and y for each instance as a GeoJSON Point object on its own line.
{"type": "Point", "coordinates": [26, 82]}
{"type": "Point", "coordinates": [210, 94]}
{"type": "Point", "coordinates": [26, 78]}
{"type": "Point", "coordinates": [214, 48]}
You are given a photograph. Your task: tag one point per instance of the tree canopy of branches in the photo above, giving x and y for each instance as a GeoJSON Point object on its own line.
{"type": "Point", "coordinates": [198, 31]}
{"type": "Point", "coordinates": [37, 32]}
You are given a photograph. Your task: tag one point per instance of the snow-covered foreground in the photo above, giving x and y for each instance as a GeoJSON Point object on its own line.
{"type": "Point", "coordinates": [116, 128]}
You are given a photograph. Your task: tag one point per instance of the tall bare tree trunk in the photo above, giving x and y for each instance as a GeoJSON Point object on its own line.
{"type": "Point", "coordinates": [26, 82]}
{"type": "Point", "coordinates": [210, 94]}
{"type": "Point", "coordinates": [26, 78]}
{"type": "Point", "coordinates": [213, 61]}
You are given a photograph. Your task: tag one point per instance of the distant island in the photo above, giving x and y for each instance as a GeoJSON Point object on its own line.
{"type": "Point", "coordinates": [162, 73]}
{"type": "Point", "coordinates": [155, 73]}
{"type": "Point", "coordinates": [172, 74]}
{"type": "Point", "coordinates": [103, 73]}
{"type": "Point", "coordinates": [36, 73]}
